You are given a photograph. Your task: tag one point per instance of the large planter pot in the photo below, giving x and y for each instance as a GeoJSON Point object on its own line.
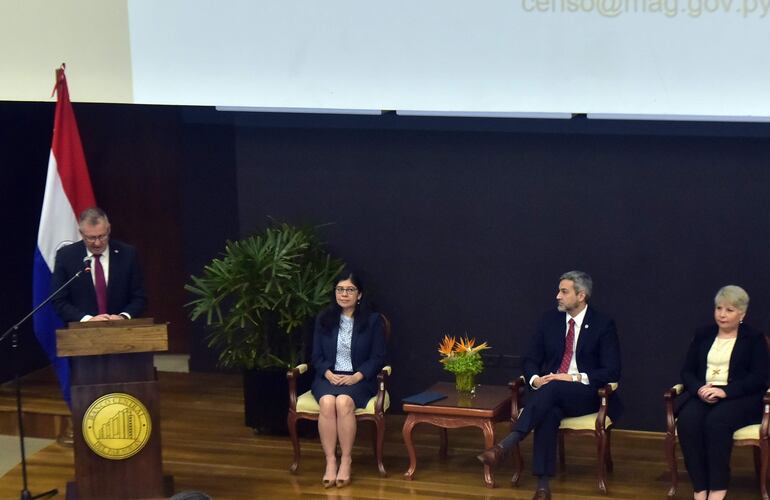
{"type": "Point", "coordinates": [266, 402]}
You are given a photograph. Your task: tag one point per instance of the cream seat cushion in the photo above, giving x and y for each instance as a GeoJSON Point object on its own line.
{"type": "Point", "coordinates": [583, 422]}
{"type": "Point", "coordinates": [586, 422]}
{"type": "Point", "coordinates": [306, 403]}
{"type": "Point", "coordinates": [748, 432]}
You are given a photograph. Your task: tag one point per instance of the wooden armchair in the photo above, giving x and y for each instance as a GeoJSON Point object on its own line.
{"type": "Point", "coordinates": [751, 435]}
{"type": "Point", "coordinates": [306, 407]}
{"type": "Point", "coordinates": [597, 425]}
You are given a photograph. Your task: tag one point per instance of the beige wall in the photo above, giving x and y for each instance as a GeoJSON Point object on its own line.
{"type": "Point", "coordinates": [91, 36]}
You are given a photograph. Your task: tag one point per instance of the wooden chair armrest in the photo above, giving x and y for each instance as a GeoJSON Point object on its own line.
{"type": "Point", "coordinates": [765, 424]}
{"type": "Point", "coordinates": [292, 376]}
{"type": "Point", "coordinates": [673, 392]}
{"type": "Point", "coordinates": [517, 391]}
{"type": "Point", "coordinates": [382, 386]}
{"type": "Point", "coordinates": [606, 391]}
{"type": "Point", "coordinates": [298, 370]}
{"type": "Point", "coordinates": [382, 378]}
{"type": "Point", "coordinates": [519, 383]}
{"type": "Point", "coordinates": [668, 399]}
{"type": "Point", "coordinates": [604, 396]}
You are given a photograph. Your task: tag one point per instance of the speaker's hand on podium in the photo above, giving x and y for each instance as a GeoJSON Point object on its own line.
{"type": "Point", "coordinates": [107, 317]}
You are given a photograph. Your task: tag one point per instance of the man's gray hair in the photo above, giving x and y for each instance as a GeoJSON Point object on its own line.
{"type": "Point", "coordinates": [733, 295]}
{"type": "Point", "coordinates": [93, 216]}
{"type": "Point", "coordinates": [582, 281]}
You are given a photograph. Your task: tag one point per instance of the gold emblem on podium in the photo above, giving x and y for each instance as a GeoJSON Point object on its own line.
{"type": "Point", "coordinates": [116, 426]}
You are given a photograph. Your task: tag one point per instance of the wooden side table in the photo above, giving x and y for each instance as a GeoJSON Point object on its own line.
{"type": "Point", "coordinates": [490, 404]}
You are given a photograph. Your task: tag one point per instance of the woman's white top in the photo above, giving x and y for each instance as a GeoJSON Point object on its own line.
{"type": "Point", "coordinates": [344, 360]}
{"type": "Point", "coordinates": [718, 361]}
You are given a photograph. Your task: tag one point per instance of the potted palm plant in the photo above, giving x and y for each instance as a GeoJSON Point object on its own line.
{"type": "Point", "coordinates": [258, 300]}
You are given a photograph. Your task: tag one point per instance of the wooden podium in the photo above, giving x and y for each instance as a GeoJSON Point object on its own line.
{"type": "Point", "coordinates": [115, 408]}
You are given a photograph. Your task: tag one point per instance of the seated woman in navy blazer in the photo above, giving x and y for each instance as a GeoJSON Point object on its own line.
{"type": "Point", "coordinates": [348, 353]}
{"type": "Point", "coordinates": [725, 376]}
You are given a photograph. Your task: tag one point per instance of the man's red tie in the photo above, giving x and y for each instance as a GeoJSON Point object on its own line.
{"type": "Point", "coordinates": [101, 285]}
{"type": "Point", "coordinates": [569, 349]}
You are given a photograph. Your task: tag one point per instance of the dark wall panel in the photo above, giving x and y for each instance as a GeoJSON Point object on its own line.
{"type": "Point", "coordinates": [133, 154]}
{"type": "Point", "coordinates": [167, 184]}
{"type": "Point", "coordinates": [23, 171]}
{"type": "Point", "coordinates": [468, 232]}
{"type": "Point", "coordinates": [458, 230]}
{"type": "Point", "coordinates": [209, 213]}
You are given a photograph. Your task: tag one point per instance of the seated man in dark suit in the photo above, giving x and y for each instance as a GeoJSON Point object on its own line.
{"type": "Point", "coordinates": [574, 352]}
{"type": "Point", "coordinates": [114, 288]}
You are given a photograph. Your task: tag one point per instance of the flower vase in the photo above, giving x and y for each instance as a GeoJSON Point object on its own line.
{"type": "Point", "coordinates": [465, 383]}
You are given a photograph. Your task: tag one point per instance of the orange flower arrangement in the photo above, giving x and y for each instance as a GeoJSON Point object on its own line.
{"type": "Point", "coordinates": [461, 355]}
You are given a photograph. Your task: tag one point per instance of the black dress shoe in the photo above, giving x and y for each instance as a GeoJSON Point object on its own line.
{"type": "Point", "coordinates": [492, 456]}
{"type": "Point", "coordinates": [542, 494]}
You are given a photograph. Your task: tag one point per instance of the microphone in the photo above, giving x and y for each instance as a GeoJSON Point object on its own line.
{"type": "Point", "coordinates": [87, 264]}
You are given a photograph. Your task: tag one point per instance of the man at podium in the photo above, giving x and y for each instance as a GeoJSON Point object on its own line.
{"type": "Point", "coordinates": [113, 289]}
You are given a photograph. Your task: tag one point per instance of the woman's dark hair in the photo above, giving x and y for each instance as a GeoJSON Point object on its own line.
{"type": "Point", "coordinates": [330, 317]}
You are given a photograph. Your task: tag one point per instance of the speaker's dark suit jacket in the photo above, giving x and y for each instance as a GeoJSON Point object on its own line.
{"type": "Point", "coordinates": [125, 288]}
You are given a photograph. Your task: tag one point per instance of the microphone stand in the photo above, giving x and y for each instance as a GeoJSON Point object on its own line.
{"type": "Point", "coordinates": [25, 494]}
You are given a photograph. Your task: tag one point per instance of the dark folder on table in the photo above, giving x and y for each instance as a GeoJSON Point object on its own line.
{"type": "Point", "coordinates": [423, 398]}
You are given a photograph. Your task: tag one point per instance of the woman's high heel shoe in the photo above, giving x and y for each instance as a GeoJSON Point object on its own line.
{"type": "Point", "coordinates": [328, 483]}
{"type": "Point", "coordinates": [341, 483]}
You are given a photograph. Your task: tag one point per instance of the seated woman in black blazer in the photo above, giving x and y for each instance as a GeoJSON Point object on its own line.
{"type": "Point", "coordinates": [725, 376]}
{"type": "Point", "coordinates": [348, 353]}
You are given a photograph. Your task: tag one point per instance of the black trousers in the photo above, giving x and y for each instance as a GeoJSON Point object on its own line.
{"type": "Point", "coordinates": [543, 413]}
{"type": "Point", "coordinates": [705, 433]}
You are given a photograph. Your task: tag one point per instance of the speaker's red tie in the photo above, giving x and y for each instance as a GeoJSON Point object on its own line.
{"type": "Point", "coordinates": [569, 348]}
{"type": "Point", "coordinates": [101, 285]}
